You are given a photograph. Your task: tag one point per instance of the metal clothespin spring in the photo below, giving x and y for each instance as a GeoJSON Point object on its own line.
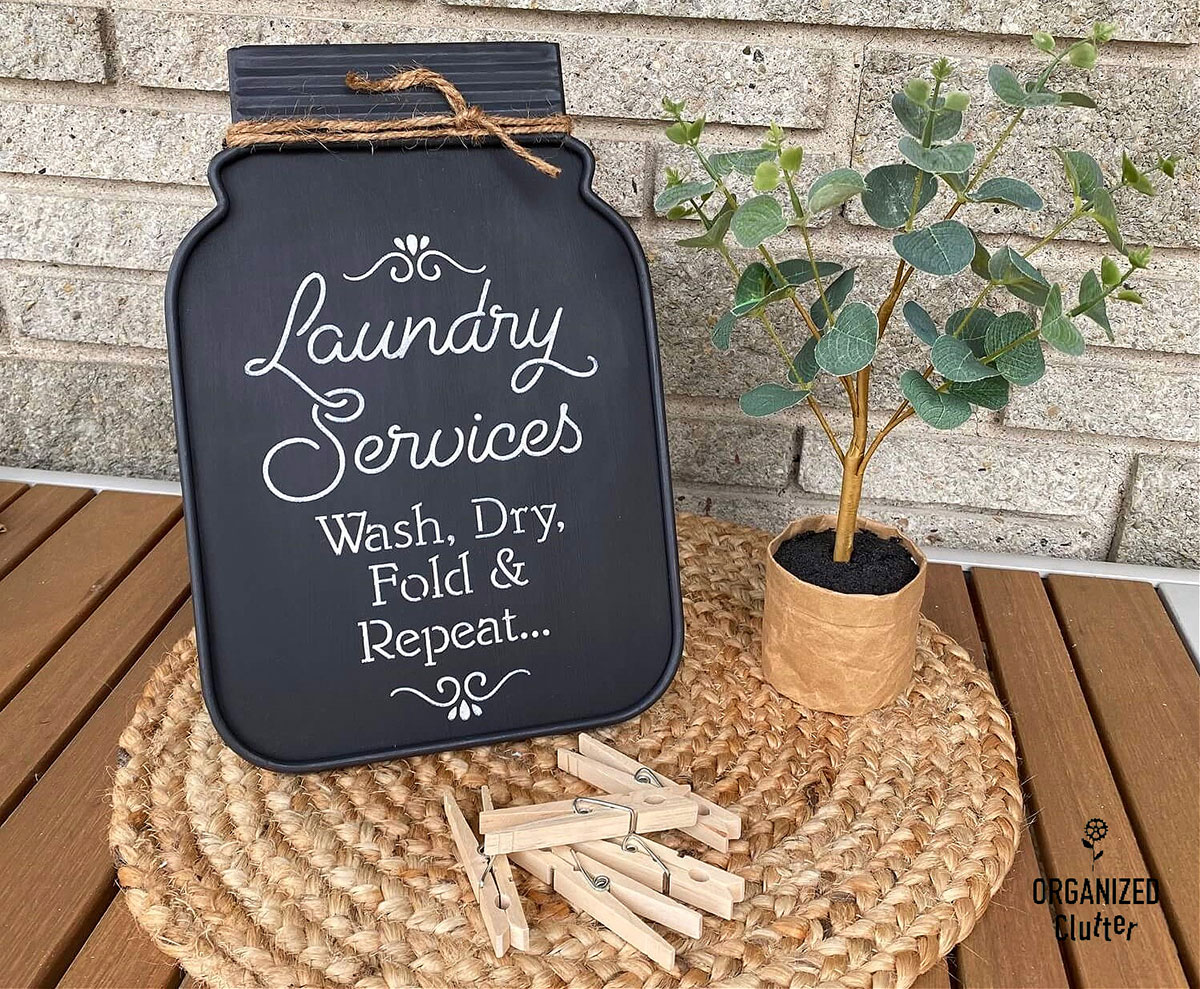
{"type": "Point", "coordinates": [611, 805]}
{"type": "Point", "coordinates": [598, 882]}
{"type": "Point", "coordinates": [647, 776]}
{"type": "Point", "coordinates": [632, 843]}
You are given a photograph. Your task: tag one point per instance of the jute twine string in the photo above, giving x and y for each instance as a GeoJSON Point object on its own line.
{"type": "Point", "coordinates": [870, 847]}
{"type": "Point", "coordinates": [464, 121]}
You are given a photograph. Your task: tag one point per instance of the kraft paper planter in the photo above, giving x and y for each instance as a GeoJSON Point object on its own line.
{"type": "Point", "coordinates": [843, 653]}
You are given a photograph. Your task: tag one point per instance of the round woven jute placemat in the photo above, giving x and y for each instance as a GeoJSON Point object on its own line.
{"type": "Point", "coordinates": [870, 845]}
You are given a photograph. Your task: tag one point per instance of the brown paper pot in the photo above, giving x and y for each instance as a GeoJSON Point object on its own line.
{"type": "Point", "coordinates": [844, 653]}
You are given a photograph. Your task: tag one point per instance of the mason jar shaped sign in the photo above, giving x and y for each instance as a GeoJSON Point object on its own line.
{"type": "Point", "coordinates": [419, 413]}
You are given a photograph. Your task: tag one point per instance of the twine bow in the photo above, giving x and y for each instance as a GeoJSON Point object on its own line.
{"type": "Point", "coordinates": [465, 121]}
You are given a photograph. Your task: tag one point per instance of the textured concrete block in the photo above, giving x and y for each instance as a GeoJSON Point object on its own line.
{"type": "Point", "coordinates": [1162, 524]}
{"type": "Point", "coordinates": [1144, 109]}
{"type": "Point", "coordinates": [108, 142]}
{"type": "Point", "coordinates": [49, 41]}
{"type": "Point", "coordinates": [1086, 537]}
{"type": "Point", "coordinates": [1115, 400]}
{"type": "Point", "coordinates": [620, 173]}
{"type": "Point", "coordinates": [742, 186]}
{"type": "Point", "coordinates": [115, 233]}
{"type": "Point", "coordinates": [1161, 20]}
{"type": "Point", "coordinates": [83, 305]}
{"type": "Point", "coordinates": [103, 418]}
{"type": "Point", "coordinates": [922, 466]}
{"type": "Point", "coordinates": [721, 445]}
{"type": "Point", "coordinates": [605, 76]}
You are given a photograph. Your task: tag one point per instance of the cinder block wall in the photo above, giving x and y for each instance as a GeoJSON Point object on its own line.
{"type": "Point", "coordinates": [108, 116]}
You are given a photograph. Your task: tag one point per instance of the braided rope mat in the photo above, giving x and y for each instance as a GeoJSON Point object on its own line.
{"type": "Point", "coordinates": [870, 846]}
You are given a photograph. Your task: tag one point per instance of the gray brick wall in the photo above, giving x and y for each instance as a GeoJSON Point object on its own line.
{"type": "Point", "coordinates": [108, 116]}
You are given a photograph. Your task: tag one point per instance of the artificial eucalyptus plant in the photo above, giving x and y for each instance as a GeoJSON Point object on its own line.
{"type": "Point", "coordinates": [975, 354]}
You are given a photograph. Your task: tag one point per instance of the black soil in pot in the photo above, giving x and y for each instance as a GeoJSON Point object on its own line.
{"type": "Point", "coordinates": [877, 565]}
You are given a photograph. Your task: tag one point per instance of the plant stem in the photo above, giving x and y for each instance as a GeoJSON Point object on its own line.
{"type": "Point", "coordinates": [852, 474]}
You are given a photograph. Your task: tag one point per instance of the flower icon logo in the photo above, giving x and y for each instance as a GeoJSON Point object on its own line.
{"type": "Point", "coordinates": [1094, 832]}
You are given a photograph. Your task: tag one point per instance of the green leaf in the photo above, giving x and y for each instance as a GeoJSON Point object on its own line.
{"type": "Point", "coordinates": [714, 235]}
{"type": "Point", "coordinates": [1082, 55]}
{"type": "Point", "coordinates": [1008, 87]}
{"type": "Point", "coordinates": [1024, 364]}
{"type": "Point", "coordinates": [912, 118]}
{"type": "Point", "coordinates": [920, 322]}
{"type": "Point", "coordinates": [836, 293]}
{"type": "Point", "coordinates": [754, 286]}
{"type": "Point", "coordinates": [981, 258]}
{"type": "Point", "coordinates": [1092, 303]}
{"type": "Point", "coordinates": [766, 177]}
{"type": "Point", "coordinates": [974, 330]}
{"type": "Point", "coordinates": [958, 101]}
{"type": "Point", "coordinates": [953, 158]}
{"type": "Point", "coordinates": [744, 162]}
{"type": "Point", "coordinates": [1129, 295]}
{"type": "Point", "coordinates": [1014, 192]}
{"type": "Point", "coordinates": [1043, 41]}
{"type": "Point", "coordinates": [850, 344]}
{"type": "Point", "coordinates": [790, 159]}
{"type": "Point", "coordinates": [942, 249]}
{"type": "Point", "coordinates": [954, 360]}
{"type": "Point", "coordinates": [805, 362]}
{"type": "Point", "coordinates": [722, 331]}
{"type": "Point", "coordinates": [1061, 333]}
{"type": "Point", "coordinates": [770, 398]}
{"type": "Point", "coordinates": [1104, 212]}
{"type": "Point", "coordinates": [756, 220]}
{"type": "Point", "coordinates": [889, 194]}
{"type": "Point", "coordinates": [942, 410]}
{"type": "Point", "coordinates": [917, 90]}
{"type": "Point", "coordinates": [798, 271]}
{"type": "Point", "coordinates": [1083, 173]}
{"type": "Point", "coordinates": [677, 195]}
{"type": "Point", "coordinates": [1110, 272]}
{"type": "Point", "coordinates": [1077, 99]}
{"type": "Point", "coordinates": [1022, 279]}
{"type": "Point", "coordinates": [677, 133]}
{"type": "Point", "coordinates": [989, 393]}
{"type": "Point", "coordinates": [834, 188]}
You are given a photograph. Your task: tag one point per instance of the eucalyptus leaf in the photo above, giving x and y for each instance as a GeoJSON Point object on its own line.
{"type": "Point", "coordinates": [836, 293]}
{"type": "Point", "coordinates": [756, 220]}
{"type": "Point", "coordinates": [920, 322]}
{"type": "Point", "coordinates": [1083, 173]}
{"type": "Point", "coordinates": [942, 410]}
{"type": "Point", "coordinates": [770, 398]}
{"type": "Point", "coordinates": [1012, 191]}
{"type": "Point", "coordinates": [753, 287]}
{"type": "Point", "coordinates": [1092, 303]}
{"type": "Point", "coordinates": [1009, 88]}
{"type": "Point", "coordinates": [942, 249]}
{"type": "Point", "coordinates": [714, 235]}
{"type": "Point", "coordinates": [989, 393]}
{"type": "Point", "coordinates": [953, 158]}
{"type": "Point", "coordinates": [954, 360]}
{"type": "Point", "coordinates": [889, 194]}
{"type": "Point", "coordinates": [805, 362]}
{"type": "Point", "coordinates": [1024, 363]}
{"type": "Point", "coordinates": [912, 118]}
{"type": "Point", "coordinates": [972, 330]}
{"type": "Point", "coordinates": [1057, 328]}
{"type": "Point", "coordinates": [677, 195]}
{"type": "Point", "coordinates": [744, 162]}
{"type": "Point", "coordinates": [722, 331]}
{"type": "Point", "coordinates": [1018, 276]}
{"type": "Point", "coordinates": [1077, 99]}
{"type": "Point", "coordinates": [850, 344]}
{"type": "Point", "coordinates": [798, 271]}
{"type": "Point", "coordinates": [981, 259]}
{"type": "Point", "coordinates": [834, 188]}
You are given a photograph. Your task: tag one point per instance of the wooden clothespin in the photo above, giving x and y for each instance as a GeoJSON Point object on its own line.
{"type": "Point", "coordinates": [568, 822]}
{"type": "Point", "coordinates": [679, 876]}
{"type": "Point", "coordinates": [501, 910]}
{"type": "Point", "coordinates": [518, 927]}
{"type": "Point", "coordinates": [591, 893]}
{"type": "Point", "coordinates": [614, 772]}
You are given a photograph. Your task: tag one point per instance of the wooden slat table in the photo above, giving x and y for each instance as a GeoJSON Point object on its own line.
{"type": "Point", "coordinates": [1104, 696]}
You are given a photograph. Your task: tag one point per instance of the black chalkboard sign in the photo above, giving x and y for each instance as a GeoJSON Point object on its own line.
{"type": "Point", "coordinates": [421, 428]}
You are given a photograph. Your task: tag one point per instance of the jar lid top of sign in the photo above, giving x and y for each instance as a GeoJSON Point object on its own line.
{"type": "Point", "coordinates": [520, 79]}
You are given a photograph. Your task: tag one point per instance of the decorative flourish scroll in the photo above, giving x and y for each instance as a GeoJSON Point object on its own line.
{"type": "Point", "coordinates": [463, 701]}
{"type": "Point", "coordinates": [418, 259]}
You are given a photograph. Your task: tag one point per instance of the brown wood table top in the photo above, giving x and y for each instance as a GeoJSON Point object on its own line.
{"type": "Point", "coordinates": [1104, 698]}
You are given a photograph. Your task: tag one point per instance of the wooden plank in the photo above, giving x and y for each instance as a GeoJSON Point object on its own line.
{"type": "Point", "coordinates": [1071, 783]}
{"type": "Point", "coordinates": [31, 518]}
{"type": "Point", "coordinates": [937, 977]}
{"type": "Point", "coordinates": [46, 713]}
{"type": "Point", "coordinates": [56, 870]}
{"type": "Point", "coordinates": [119, 954]}
{"type": "Point", "coordinates": [9, 491]}
{"type": "Point", "coordinates": [1144, 695]}
{"type": "Point", "coordinates": [50, 594]}
{"type": "Point", "coordinates": [986, 959]}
